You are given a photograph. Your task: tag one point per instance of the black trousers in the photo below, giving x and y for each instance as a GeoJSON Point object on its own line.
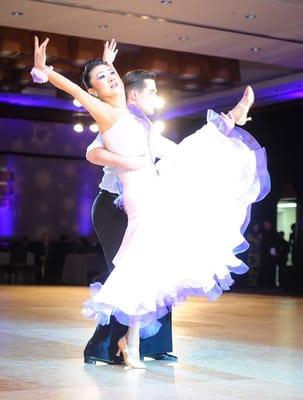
{"type": "Point", "coordinates": [110, 225]}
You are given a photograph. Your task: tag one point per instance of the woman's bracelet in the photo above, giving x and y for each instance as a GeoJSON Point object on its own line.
{"type": "Point", "coordinates": [41, 75]}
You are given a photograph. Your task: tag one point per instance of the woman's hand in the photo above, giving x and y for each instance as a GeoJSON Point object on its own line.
{"type": "Point", "coordinates": [110, 51]}
{"type": "Point", "coordinates": [40, 54]}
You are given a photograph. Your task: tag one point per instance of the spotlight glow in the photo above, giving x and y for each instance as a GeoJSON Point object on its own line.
{"type": "Point", "coordinates": [78, 128]}
{"type": "Point", "coordinates": [160, 102]}
{"type": "Point", "coordinates": [93, 128]}
{"type": "Point", "coordinates": [159, 126]}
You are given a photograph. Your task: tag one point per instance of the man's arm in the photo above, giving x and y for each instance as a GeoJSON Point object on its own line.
{"type": "Point", "coordinates": [98, 155]}
{"type": "Point", "coordinates": [103, 157]}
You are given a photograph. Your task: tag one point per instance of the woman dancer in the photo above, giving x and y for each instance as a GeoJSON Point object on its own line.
{"type": "Point", "coordinates": [227, 172]}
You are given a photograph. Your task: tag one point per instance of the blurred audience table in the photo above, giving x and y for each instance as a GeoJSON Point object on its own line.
{"type": "Point", "coordinates": [77, 268]}
{"type": "Point", "coordinates": [4, 258]}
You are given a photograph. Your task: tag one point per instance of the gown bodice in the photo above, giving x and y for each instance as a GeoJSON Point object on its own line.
{"type": "Point", "coordinates": [127, 137]}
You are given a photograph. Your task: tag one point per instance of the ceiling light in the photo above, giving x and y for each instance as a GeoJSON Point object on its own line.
{"type": "Point", "coordinates": [218, 80]}
{"type": "Point", "coordinates": [255, 49]}
{"type": "Point", "coordinates": [183, 38]}
{"type": "Point", "coordinates": [103, 27]}
{"type": "Point", "coordinates": [250, 16]}
{"type": "Point", "coordinates": [189, 75]}
{"type": "Point", "coordinates": [78, 128]}
{"type": "Point", "coordinates": [191, 86]}
{"type": "Point", "coordinates": [94, 128]}
{"type": "Point", "coordinates": [144, 16]}
{"type": "Point", "coordinates": [17, 13]}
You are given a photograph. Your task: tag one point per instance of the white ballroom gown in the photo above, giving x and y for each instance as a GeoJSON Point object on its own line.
{"type": "Point", "coordinates": [178, 245]}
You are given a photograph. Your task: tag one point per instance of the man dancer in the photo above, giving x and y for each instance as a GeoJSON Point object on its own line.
{"type": "Point", "coordinates": [110, 221]}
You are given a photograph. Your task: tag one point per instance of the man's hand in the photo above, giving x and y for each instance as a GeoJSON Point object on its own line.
{"type": "Point", "coordinates": [110, 52]}
{"type": "Point", "coordinates": [136, 162]}
{"type": "Point", "coordinates": [102, 157]}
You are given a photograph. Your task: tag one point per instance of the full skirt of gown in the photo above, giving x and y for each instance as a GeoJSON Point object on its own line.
{"type": "Point", "coordinates": [186, 220]}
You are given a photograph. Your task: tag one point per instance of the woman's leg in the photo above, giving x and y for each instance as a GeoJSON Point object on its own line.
{"type": "Point", "coordinates": [133, 341]}
{"type": "Point", "coordinates": [129, 346]}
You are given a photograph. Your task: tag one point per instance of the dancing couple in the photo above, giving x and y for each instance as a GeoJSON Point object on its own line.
{"type": "Point", "coordinates": [160, 262]}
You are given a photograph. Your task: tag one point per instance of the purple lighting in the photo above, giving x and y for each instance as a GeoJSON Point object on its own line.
{"type": "Point", "coordinates": [85, 225]}
{"type": "Point", "coordinates": [266, 94]}
{"type": "Point", "coordinates": [26, 100]}
{"type": "Point", "coordinates": [7, 200]}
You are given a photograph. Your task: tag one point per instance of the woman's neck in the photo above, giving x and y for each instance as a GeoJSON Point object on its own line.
{"type": "Point", "coordinates": [117, 102]}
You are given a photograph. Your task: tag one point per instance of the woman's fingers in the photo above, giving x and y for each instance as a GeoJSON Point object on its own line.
{"type": "Point", "coordinates": [40, 52]}
{"type": "Point", "coordinates": [44, 44]}
{"type": "Point", "coordinates": [110, 51]}
{"type": "Point", "coordinates": [113, 45]}
{"type": "Point", "coordinates": [43, 50]}
{"type": "Point", "coordinates": [36, 43]}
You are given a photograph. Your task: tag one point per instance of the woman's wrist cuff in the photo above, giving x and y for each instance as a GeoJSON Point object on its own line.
{"type": "Point", "coordinates": [41, 75]}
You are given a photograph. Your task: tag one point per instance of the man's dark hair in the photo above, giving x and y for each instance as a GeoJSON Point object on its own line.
{"type": "Point", "coordinates": [135, 79]}
{"type": "Point", "coordinates": [89, 66]}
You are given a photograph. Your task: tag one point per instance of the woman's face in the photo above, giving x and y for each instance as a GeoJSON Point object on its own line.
{"type": "Point", "coordinates": [105, 82]}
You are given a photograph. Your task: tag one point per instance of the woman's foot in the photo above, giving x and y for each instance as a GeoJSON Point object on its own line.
{"type": "Point", "coordinates": [131, 356]}
{"type": "Point", "coordinates": [241, 110]}
{"type": "Point", "coordinates": [229, 122]}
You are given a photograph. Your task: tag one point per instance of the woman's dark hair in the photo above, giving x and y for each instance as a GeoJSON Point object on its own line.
{"type": "Point", "coordinates": [89, 66]}
{"type": "Point", "coordinates": [135, 79]}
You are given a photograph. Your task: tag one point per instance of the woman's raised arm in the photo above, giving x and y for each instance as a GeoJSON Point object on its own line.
{"type": "Point", "coordinates": [99, 110]}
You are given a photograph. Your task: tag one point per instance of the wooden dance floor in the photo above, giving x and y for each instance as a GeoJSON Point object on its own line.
{"type": "Point", "coordinates": [241, 347]}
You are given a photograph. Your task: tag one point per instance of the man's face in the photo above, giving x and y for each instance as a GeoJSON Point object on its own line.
{"type": "Point", "coordinates": [146, 98]}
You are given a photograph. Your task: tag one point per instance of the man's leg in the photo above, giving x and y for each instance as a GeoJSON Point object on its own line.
{"type": "Point", "coordinates": [161, 344]}
{"type": "Point", "coordinates": [110, 224]}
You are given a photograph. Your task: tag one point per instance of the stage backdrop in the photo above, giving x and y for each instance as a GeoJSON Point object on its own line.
{"type": "Point", "coordinates": [46, 183]}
